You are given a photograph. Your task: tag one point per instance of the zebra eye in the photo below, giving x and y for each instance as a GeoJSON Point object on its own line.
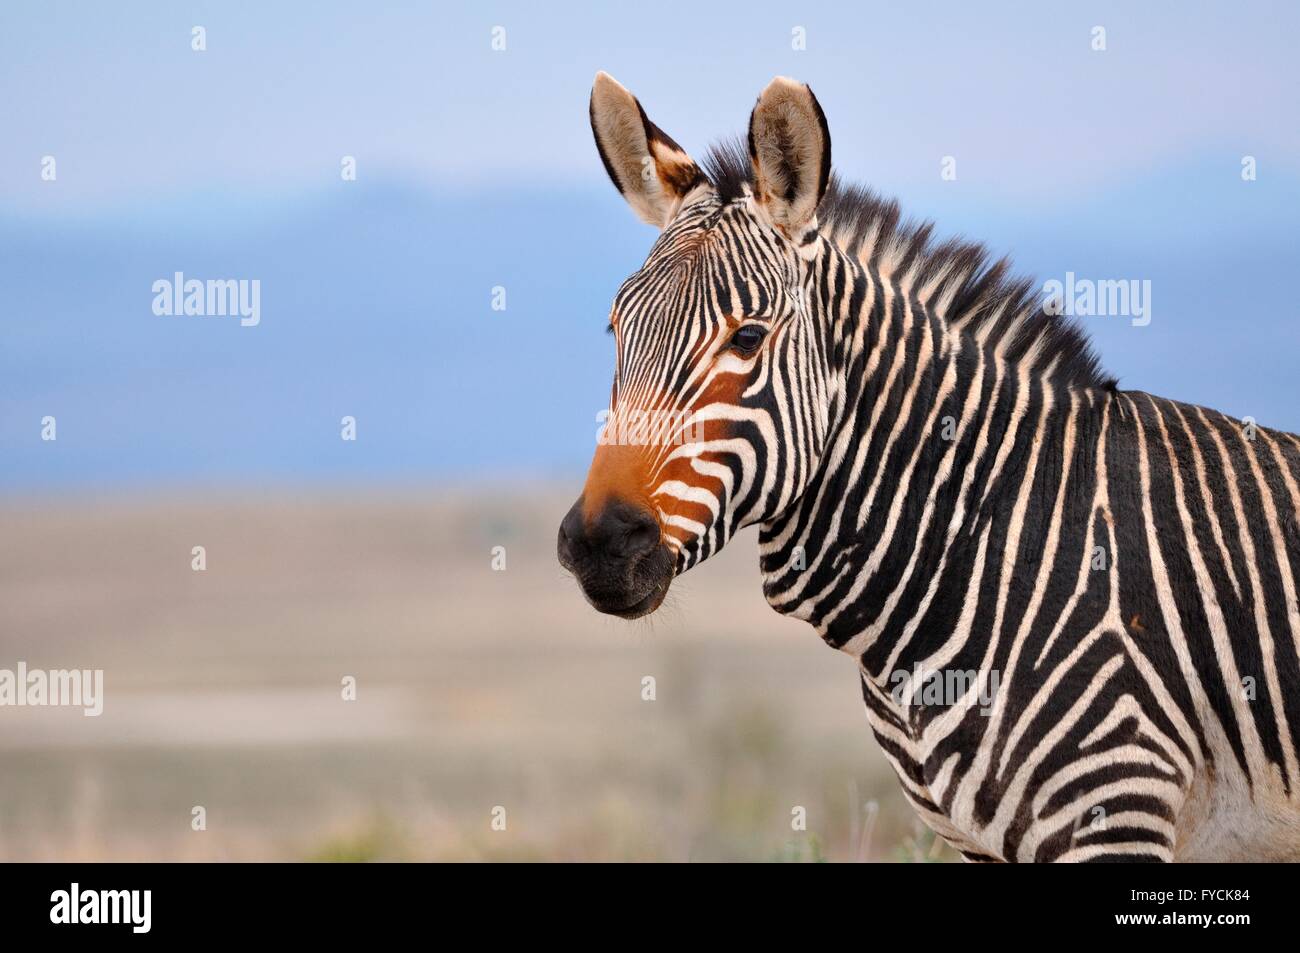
{"type": "Point", "coordinates": [747, 338]}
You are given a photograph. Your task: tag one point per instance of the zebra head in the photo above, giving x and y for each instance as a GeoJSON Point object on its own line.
{"type": "Point", "coordinates": [718, 411]}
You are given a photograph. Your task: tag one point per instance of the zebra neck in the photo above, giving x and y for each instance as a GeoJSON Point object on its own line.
{"type": "Point", "coordinates": [932, 443]}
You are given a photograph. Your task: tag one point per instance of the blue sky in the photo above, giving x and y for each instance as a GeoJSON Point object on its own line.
{"type": "Point", "coordinates": [476, 168]}
{"type": "Point", "coordinates": [1013, 90]}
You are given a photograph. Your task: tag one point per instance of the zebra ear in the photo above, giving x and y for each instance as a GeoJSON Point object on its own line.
{"type": "Point", "coordinates": [790, 147]}
{"type": "Point", "coordinates": [653, 172]}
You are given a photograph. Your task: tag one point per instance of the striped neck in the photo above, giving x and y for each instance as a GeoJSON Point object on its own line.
{"type": "Point", "coordinates": [932, 428]}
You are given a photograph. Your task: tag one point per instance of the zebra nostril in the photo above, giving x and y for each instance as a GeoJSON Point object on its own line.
{"type": "Point", "coordinates": [625, 532]}
{"type": "Point", "coordinates": [641, 539]}
{"type": "Point", "coordinates": [570, 535]}
{"type": "Point", "coordinates": [619, 534]}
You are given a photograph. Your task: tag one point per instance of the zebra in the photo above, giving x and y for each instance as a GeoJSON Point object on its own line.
{"type": "Point", "coordinates": [944, 480]}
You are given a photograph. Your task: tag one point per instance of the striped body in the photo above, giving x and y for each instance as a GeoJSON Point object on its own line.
{"type": "Point", "coordinates": [1073, 608]}
{"type": "Point", "coordinates": [1126, 564]}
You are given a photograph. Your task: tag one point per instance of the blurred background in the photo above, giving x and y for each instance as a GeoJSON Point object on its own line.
{"type": "Point", "coordinates": [373, 558]}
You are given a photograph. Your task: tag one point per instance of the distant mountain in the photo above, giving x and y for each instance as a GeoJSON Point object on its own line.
{"type": "Point", "coordinates": [376, 303]}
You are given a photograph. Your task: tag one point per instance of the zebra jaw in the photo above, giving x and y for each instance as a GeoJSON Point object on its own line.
{"type": "Point", "coordinates": [642, 606]}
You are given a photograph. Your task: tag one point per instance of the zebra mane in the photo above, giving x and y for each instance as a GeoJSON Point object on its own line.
{"type": "Point", "coordinates": [967, 288]}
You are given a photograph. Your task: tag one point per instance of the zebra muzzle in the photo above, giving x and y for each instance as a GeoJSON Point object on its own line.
{"type": "Point", "coordinates": [618, 556]}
